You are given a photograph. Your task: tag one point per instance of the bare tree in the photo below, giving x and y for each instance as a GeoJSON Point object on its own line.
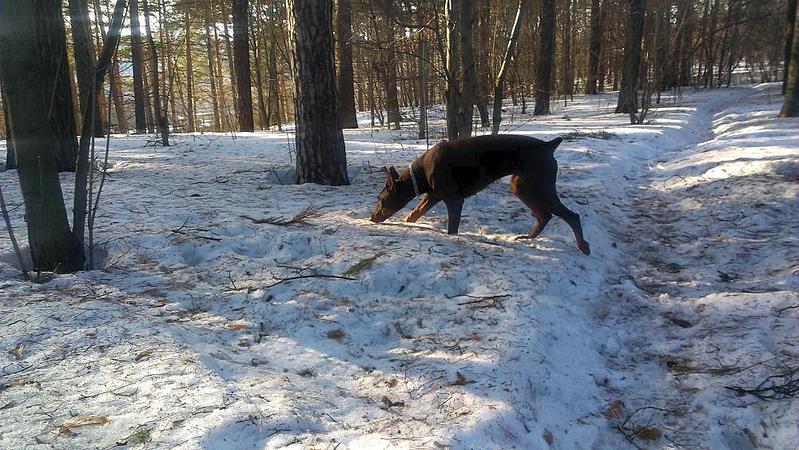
{"type": "Point", "coordinates": [25, 57]}
{"type": "Point", "coordinates": [83, 50]}
{"type": "Point", "coordinates": [545, 60]}
{"type": "Point", "coordinates": [790, 106]}
{"type": "Point", "coordinates": [137, 52]}
{"type": "Point", "coordinates": [241, 49]}
{"type": "Point", "coordinates": [345, 83]}
{"type": "Point", "coordinates": [595, 48]}
{"type": "Point", "coordinates": [321, 156]}
{"type": "Point", "coordinates": [499, 84]}
{"type": "Point", "coordinates": [632, 59]}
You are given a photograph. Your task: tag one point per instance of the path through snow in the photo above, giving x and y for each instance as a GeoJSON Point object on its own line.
{"type": "Point", "coordinates": [188, 338]}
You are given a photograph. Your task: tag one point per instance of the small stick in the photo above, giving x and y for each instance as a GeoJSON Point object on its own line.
{"type": "Point", "coordinates": [11, 235]}
{"type": "Point", "coordinates": [298, 277]}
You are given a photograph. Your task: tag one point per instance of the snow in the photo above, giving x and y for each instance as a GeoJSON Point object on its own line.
{"type": "Point", "coordinates": [190, 337]}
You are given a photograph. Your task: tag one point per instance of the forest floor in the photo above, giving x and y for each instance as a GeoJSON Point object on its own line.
{"type": "Point", "coordinates": [194, 332]}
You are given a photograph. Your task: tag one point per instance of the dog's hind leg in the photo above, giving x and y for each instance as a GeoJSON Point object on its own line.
{"type": "Point", "coordinates": [542, 215]}
{"type": "Point", "coordinates": [454, 208]}
{"type": "Point", "coordinates": [573, 219]}
{"type": "Point", "coordinates": [424, 205]}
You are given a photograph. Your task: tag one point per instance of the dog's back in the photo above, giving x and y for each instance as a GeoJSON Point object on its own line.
{"type": "Point", "coordinates": [464, 167]}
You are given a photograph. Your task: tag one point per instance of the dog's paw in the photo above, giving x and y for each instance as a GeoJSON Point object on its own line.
{"type": "Point", "coordinates": [584, 247]}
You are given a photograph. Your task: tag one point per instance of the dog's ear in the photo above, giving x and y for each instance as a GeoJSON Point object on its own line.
{"type": "Point", "coordinates": [394, 174]}
{"type": "Point", "coordinates": [389, 177]}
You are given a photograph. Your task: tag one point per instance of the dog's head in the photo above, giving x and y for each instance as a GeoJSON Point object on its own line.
{"type": "Point", "coordinates": [394, 196]}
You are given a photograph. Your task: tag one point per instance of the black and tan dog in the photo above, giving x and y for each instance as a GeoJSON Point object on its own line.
{"type": "Point", "coordinates": [451, 171]}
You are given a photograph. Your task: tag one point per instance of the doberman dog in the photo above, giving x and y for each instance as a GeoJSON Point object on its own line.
{"type": "Point", "coordinates": [450, 171]}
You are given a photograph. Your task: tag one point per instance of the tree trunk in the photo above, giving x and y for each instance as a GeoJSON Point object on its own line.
{"type": "Point", "coordinates": [345, 83]}
{"type": "Point", "coordinates": [26, 60]}
{"type": "Point", "coordinates": [595, 48]}
{"type": "Point", "coordinates": [50, 23]}
{"type": "Point", "coordinates": [83, 51]}
{"type": "Point", "coordinates": [469, 72]}
{"type": "Point", "coordinates": [683, 40]}
{"type": "Point", "coordinates": [568, 70]}
{"type": "Point", "coordinates": [209, 50]}
{"type": "Point", "coordinates": [155, 86]}
{"type": "Point", "coordinates": [241, 56]}
{"type": "Point", "coordinates": [190, 119]}
{"type": "Point", "coordinates": [453, 70]}
{"type": "Point", "coordinates": [274, 87]}
{"type": "Point", "coordinates": [321, 157]}
{"type": "Point", "coordinates": [544, 62]}
{"type": "Point", "coordinates": [604, 47]}
{"type": "Point", "coordinates": [259, 47]}
{"type": "Point", "coordinates": [81, 202]}
{"type": "Point", "coordinates": [138, 68]}
{"type": "Point", "coordinates": [220, 84]}
{"type": "Point", "coordinates": [788, 53]}
{"type": "Point", "coordinates": [114, 78]}
{"type": "Point", "coordinates": [389, 78]}
{"type": "Point", "coordinates": [229, 49]}
{"type": "Point", "coordinates": [790, 106]}
{"type": "Point", "coordinates": [483, 62]}
{"type": "Point", "coordinates": [499, 85]}
{"type": "Point", "coordinates": [422, 71]}
{"type": "Point", "coordinates": [632, 59]}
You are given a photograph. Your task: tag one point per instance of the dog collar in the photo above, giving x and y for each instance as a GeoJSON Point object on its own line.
{"type": "Point", "coordinates": [413, 179]}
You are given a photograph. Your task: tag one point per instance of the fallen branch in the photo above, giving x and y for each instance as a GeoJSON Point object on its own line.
{"type": "Point", "coordinates": [775, 387]}
{"type": "Point", "coordinates": [301, 218]}
{"type": "Point", "coordinates": [299, 277]}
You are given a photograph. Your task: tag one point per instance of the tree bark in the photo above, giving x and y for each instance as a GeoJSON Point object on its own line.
{"type": "Point", "coordinates": [138, 68]}
{"type": "Point", "coordinates": [155, 85]}
{"type": "Point", "coordinates": [209, 50]}
{"type": "Point", "coordinates": [483, 62]}
{"type": "Point", "coordinates": [499, 84]}
{"type": "Point", "coordinates": [546, 51]}
{"type": "Point", "coordinates": [595, 48]}
{"type": "Point", "coordinates": [568, 70]}
{"type": "Point", "coordinates": [628, 102]}
{"type": "Point", "coordinates": [114, 78]}
{"type": "Point", "coordinates": [49, 19]}
{"type": "Point", "coordinates": [241, 56]}
{"type": "Point", "coordinates": [790, 106]}
{"type": "Point", "coordinates": [453, 70]}
{"type": "Point", "coordinates": [788, 52]}
{"type": "Point", "coordinates": [191, 119]}
{"type": "Point", "coordinates": [274, 87]}
{"type": "Point", "coordinates": [229, 49]}
{"type": "Point", "coordinates": [83, 51]}
{"type": "Point", "coordinates": [345, 83]}
{"type": "Point", "coordinates": [422, 75]}
{"type": "Point", "coordinates": [469, 71]}
{"type": "Point", "coordinates": [321, 156]}
{"type": "Point", "coordinates": [26, 56]}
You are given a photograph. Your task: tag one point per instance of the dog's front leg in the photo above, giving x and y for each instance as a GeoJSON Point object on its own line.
{"type": "Point", "coordinates": [454, 208]}
{"type": "Point", "coordinates": [424, 205]}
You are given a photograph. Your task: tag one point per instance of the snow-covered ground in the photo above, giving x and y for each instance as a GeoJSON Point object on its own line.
{"type": "Point", "coordinates": [194, 335]}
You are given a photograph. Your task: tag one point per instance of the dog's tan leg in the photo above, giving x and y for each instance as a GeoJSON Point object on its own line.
{"type": "Point", "coordinates": [424, 205]}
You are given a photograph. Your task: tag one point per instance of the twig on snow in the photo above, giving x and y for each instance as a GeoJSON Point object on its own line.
{"type": "Point", "coordinates": [316, 275]}
{"type": "Point", "coordinates": [775, 387]}
{"type": "Point", "coordinates": [301, 218]}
